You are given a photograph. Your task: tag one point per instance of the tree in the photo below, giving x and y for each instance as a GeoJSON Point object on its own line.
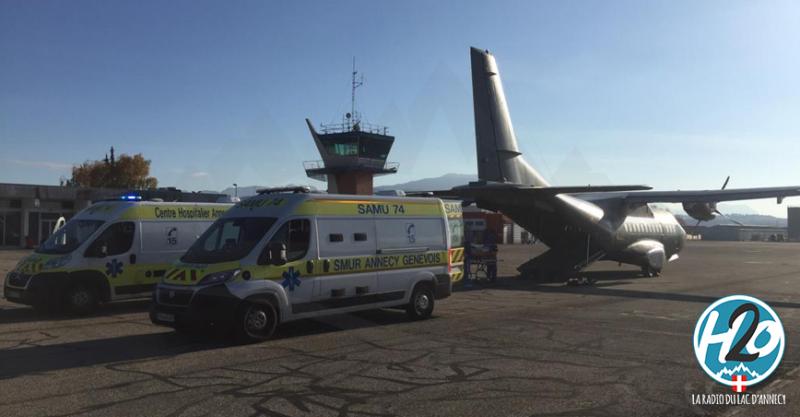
{"type": "Point", "coordinates": [126, 172]}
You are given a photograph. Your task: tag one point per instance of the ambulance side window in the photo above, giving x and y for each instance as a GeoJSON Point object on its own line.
{"type": "Point", "coordinates": [116, 239]}
{"type": "Point", "coordinates": [296, 235]}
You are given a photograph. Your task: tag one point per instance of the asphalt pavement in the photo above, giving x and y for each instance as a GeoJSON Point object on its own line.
{"type": "Point", "coordinates": [511, 348]}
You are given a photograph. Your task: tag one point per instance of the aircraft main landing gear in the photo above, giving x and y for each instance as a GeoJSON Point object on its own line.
{"type": "Point", "coordinates": [650, 272]}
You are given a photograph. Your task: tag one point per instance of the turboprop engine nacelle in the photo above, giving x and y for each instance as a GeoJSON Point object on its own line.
{"type": "Point", "coordinates": [701, 211]}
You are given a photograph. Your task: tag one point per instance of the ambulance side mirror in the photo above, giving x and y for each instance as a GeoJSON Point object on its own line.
{"type": "Point", "coordinates": [276, 253]}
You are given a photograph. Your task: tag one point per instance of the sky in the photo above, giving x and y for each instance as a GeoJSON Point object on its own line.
{"type": "Point", "coordinates": [677, 95]}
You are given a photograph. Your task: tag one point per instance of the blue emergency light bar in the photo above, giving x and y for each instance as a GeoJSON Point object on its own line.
{"type": "Point", "coordinates": [130, 197]}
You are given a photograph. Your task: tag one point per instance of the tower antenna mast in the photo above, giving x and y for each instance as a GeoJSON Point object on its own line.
{"type": "Point", "coordinates": [358, 81]}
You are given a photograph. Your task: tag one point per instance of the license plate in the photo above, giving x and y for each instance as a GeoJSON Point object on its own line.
{"type": "Point", "coordinates": [165, 317]}
{"type": "Point", "coordinates": [13, 294]}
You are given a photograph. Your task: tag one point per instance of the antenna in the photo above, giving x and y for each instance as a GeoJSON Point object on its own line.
{"type": "Point", "coordinates": [358, 81]}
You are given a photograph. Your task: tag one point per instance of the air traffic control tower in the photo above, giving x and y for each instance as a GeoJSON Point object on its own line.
{"type": "Point", "coordinates": [353, 152]}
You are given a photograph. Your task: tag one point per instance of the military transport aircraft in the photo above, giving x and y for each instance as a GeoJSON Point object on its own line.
{"type": "Point", "coordinates": [579, 224]}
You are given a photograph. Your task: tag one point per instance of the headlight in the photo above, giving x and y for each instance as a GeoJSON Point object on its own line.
{"type": "Point", "coordinates": [218, 277]}
{"type": "Point", "coordinates": [57, 262]}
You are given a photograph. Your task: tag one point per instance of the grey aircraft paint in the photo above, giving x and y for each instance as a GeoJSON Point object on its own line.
{"type": "Point", "coordinates": [579, 224]}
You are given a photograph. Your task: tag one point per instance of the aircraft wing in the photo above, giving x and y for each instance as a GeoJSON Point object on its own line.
{"type": "Point", "coordinates": [697, 196]}
{"type": "Point", "coordinates": [517, 194]}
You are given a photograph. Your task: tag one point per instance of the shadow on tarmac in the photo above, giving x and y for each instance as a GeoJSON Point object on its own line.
{"type": "Point", "coordinates": [40, 359]}
{"type": "Point", "coordinates": [22, 313]}
{"type": "Point", "coordinates": [606, 279]}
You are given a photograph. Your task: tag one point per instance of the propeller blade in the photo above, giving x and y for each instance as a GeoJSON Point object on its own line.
{"type": "Point", "coordinates": [725, 184]}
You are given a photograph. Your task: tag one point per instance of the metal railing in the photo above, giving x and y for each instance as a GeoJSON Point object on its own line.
{"type": "Point", "coordinates": [353, 127]}
{"type": "Point", "coordinates": [352, 161]}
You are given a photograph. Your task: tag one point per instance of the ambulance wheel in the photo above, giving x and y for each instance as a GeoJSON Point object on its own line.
{"type": "Point", "coordinates": [80, 299]}
{"type": "Point", "coordinates": [257, 322]}
{"type": "Point", "coordinates": [421, 304]}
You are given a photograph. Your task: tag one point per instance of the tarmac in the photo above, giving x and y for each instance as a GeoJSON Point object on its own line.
{"type": "Point", "coordinates": [512, 348]}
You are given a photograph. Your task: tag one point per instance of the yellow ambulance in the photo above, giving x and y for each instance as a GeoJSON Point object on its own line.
{"type": "Point", "coordinates": [112, 250]}
{"type": "Point", "coordinates": [288, 254]}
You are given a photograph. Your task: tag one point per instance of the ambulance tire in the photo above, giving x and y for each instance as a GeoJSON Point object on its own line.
{"type": "Point", "coordinates": [80, 299]}
{"type": "Point", "coordinates": [256, 321]}
{"type": "Point", "coordinates": [420, 305]}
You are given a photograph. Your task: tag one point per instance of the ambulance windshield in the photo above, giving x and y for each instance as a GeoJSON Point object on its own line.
{"type": "Point", "coordinates": [228, 239]}
{"type": "Point", "coordinates": [70, 236]}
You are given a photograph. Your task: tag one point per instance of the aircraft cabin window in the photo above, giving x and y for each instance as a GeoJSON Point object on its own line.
{"type": "Point", "coordinates": [335, 237]}
{"type": "Point", "coordinates": [360, 237]}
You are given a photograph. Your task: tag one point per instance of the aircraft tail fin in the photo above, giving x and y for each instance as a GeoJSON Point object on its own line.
{"type": "Point", "coordinates": [499, 158]}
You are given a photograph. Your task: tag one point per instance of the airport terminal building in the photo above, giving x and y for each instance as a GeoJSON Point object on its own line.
{"type": "Point", "coordinates": [28, 213]}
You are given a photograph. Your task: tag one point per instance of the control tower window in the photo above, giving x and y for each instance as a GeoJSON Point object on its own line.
{"type": "Point", "coordinates": [343, 149]}
{"type": "Point", "coordinates": [376, 149]}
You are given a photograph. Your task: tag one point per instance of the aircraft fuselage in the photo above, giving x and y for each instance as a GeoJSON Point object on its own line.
{"type": "Point", "coordinates": [579, 232]}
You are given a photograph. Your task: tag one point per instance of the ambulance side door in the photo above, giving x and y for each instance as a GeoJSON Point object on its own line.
{"type": "Point", "coordinates": [114, 253]}
{"type": "Point", "coordinates": [297, 275]}
{"type": "Point", "coordinates": [347, 253]}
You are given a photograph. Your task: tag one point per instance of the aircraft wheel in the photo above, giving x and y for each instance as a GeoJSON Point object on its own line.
{"type": "Point", "coordinates": [650, 272]}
